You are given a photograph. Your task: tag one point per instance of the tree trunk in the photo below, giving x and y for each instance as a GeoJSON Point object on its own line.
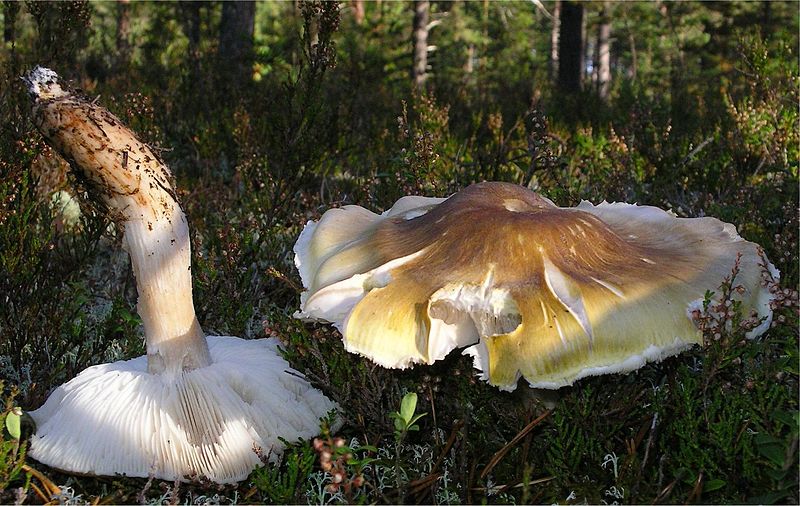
{"type": "Point", "coordinates": [554, 40]}
{"type": "Point", "coordinates": [484, 49]}
{"type": "Point", "coordinates": [236, 38]}
{"type": "Point", "coordinates": [570, 47]}
{"type": "Point", "coordinates": [420, 40]}
{"type": "Point", "coordinates": [312, 33]}
{"type": "Point", "coordinates": [10, 10]}
{"type": "Point", "coordinates": [586, 45]}
{"type": "Point", "coordinates": [358, 11]}
{"type": "Point", "coordinates": [766, 20]}
{"type": "Point", "coordinates": [603, 64]}
{"type": "Point", "coordinates": [469, 65]}
{"type": "Point", "coordinates": [189, 14]}
{"type": "Point", "coordinates": [123, 31]}
{"type": "Point", "coordinates": [634, 58]}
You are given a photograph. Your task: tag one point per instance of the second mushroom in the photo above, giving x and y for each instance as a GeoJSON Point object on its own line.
{"type": "Point", "coordinates": [531, 289]}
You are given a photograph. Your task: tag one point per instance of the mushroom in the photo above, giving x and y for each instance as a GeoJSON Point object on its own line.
{"type": "Point", "coordinates": [196, 405]}
{"type": "Point", "coordinates": [550, 293]}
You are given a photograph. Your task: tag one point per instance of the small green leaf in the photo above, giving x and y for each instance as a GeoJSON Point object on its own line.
{"type": "Point", "coordinates": [766, 439]}
{"type": "Point", "coordinates": [13, 423]}
{"type": "Point", "coordinates": [407, 407]}
{"type": "Point", "coordinates": [362, 462]}
{"type": "Point", "coordinates": [416, 417]}
{"type": "Point", "coordinates": [777, 474]}
{"type": "Point", "coordinates": [712, 485]}
{"type": "Point", "coordinates": [784, 417]}
{"type": "Point", "coordinates": [774, 452]}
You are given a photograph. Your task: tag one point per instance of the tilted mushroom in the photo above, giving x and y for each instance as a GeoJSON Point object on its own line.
{"type": "Point", "coordinates": [195, 405]}
{"type": "Point", "coordinates": [549, 293]}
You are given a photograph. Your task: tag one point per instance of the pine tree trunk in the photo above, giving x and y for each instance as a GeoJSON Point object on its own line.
{"type": "Point", "coordinates": [313, 31]}
{"type": "Point", "coordinates": [236, 37]}
{"type": "Point", "coordinates": [585, 47]}
{"type": "Point", "coordinates": [554, 40]}
{"type": "Point", "coordinates": [469, 64]}
{"type": "Point", "coordinates": [604, 53]}
{"type": "Point", "coordinates": [634, 57]}
{"type": "Point", "coordinates": [189, 14]}
{"type": "Point", "coordinates": [420, 40]}
{"type": "Point", "coordinates": [358, 11]}
{"type": "Point", "coordinates": [570, 47]}
{"type": "Point", "coordinates": [766, 19]}
{"type": "Point", "coordinates": [123, 31]}
{"type": "Point", "coordinates": [10, 10]}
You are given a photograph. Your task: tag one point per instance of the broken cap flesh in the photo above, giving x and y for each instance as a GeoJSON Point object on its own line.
{"type": "Point", "coordinates": [548, 293]}
{"type": "Point", "coordinates": [195, 406]}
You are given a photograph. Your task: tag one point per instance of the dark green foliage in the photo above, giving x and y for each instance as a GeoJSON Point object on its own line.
{"type": "Point", "coordinates": [62, 31]}
{"type": "Point", "coordinates": [285, 482]}
{"type": "Point", "coordinates": [702, 119]}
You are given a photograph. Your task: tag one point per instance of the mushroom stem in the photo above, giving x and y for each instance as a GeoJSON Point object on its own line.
{"type": "Point", "coordinates": [134, 185]}
{"type": "Point", "coordinates": [196, 406]}
{"type": "Point", "coordinates": [161, 260]}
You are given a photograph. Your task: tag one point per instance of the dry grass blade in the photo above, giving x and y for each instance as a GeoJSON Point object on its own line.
{"type": "Point", "coordinates": [790, 452]}
{"type": "Point", "coordinates": [666, 492]}
{"type": "Point", "coordinates": [696, 490]}
{"type": "Point", "coordinates": [417, 486]}
{"type": "Point", "coordinates": [499, 489]}
{"type": "Point", "coordinates": [39, 492]}
{"type": "Point", "coordinates": [250, 493]}
{"type": "Point", "coordinates": [49, 486]}
{"type": "Point", "coordinates": [276, 274]}
{"type": "Point", "coordinates": [450, 441]}
{"type": "Point", "coordinates": [433, 414]}
{"type": "Point", "coordinates": [421, 484]}
{"type": "Point", "coordinates": [650, 438]}
{"type": "Point", "coordinates": [497, 457]}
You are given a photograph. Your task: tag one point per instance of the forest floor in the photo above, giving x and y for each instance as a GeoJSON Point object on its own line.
{"type": "Point", "coordinates": [718, 423]}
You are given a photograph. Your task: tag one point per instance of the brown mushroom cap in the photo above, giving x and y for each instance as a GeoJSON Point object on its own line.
{"type": "Point", "coordinates": [552, 294]}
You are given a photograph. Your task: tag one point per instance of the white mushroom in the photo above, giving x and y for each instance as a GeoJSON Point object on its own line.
{"type": "Point", "coordinates": [552, 294]}
{"type": "Point", "coordinates": [196, 405]}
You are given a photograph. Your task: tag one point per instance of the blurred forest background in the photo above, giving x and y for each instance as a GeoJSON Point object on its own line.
{"type": "Point", "coordinates": [269, 113]}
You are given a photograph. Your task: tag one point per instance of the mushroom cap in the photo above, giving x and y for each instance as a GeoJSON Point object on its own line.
{"type": "Point", "coordinates": [535, 290]}
{"type": "Point", "coordinates": [119, 419]}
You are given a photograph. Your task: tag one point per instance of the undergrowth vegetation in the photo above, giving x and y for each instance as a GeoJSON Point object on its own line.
{"type": "Point", "coordinates": [335, 121]}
